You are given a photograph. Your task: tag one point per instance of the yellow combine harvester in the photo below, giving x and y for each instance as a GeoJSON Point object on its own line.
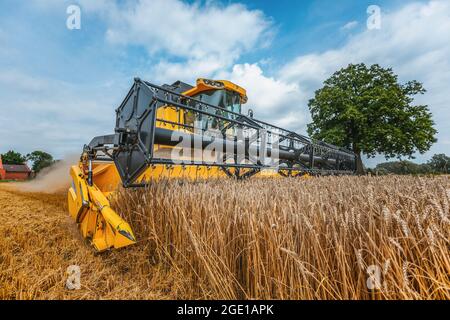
{"type": "Point", "coordinates": [188, 132]}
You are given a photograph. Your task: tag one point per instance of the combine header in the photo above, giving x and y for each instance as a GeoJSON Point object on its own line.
{"type": "Point", "coordinates": [189, 132]}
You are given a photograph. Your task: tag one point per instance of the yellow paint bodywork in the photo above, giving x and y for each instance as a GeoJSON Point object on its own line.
{"type": "Point", "coordinates": [89, 205]}
{"type": "Point", "coordinates": [170, 113]}
{"type": "Point", "coordinates": [202, 85]}
{"type": "Point", "coordinates": [90, 208]}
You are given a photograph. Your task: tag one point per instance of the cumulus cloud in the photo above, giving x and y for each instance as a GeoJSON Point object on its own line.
{"type": "Point", "coordinates": [40, 113]}
{"type": "Point", "coordinates": [413, 40]}
{"type": "Point", "coordinates": [166, 71]}
{"type": "Point", "coordinates": [189, 30]}
{"type": "Point", "coordinates": [349, 26]}
{"type": "Point", "coordinates": [271, 99]}
{"type": "Point", "coordinates": [189, 39]}
{"type": "Point", "coordinates": [183, 40]}
{"type": "Point", "coordinates": [207, 37]}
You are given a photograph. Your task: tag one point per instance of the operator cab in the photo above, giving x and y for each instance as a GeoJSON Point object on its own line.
{"type": "Point", "coordinates": [225, 99]}
{"type": "Point", "coordinates": [223, 94]}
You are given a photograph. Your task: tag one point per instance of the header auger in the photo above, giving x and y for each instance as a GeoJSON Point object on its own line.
{"type": "Point", "coordinates": [180, 131]}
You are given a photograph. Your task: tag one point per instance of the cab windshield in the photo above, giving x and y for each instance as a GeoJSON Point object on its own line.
{"type": "Point", "coordinates": [224, 99]}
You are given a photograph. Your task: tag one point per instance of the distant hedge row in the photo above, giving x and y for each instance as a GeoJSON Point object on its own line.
{"type": "Point", "coordinates": [439, 164]}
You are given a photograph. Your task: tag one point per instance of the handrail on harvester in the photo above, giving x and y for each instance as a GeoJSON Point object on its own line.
{"type": "Point", "coordinates": [137, 132]}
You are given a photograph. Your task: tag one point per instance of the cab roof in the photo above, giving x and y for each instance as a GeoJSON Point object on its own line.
{"type": "Point", "coordinates": [206, 85]}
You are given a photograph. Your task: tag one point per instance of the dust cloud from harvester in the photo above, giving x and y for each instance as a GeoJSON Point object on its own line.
{"type": "Point", "coordinates": [54, 178]}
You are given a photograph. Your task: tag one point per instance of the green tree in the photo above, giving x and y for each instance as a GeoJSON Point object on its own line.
{"type": "Point", "coordinates": [440, 163]}
{"type": "Point", "coordinates": [367, 110]}
{"type": "Point", "coordinates": [402, 167]}
{"type": "Point", "coordinates": [40, 160]}
{"type": "Point", "coordinates": [12, 157]}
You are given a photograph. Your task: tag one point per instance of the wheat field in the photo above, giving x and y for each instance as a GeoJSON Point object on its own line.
{"type": "Point", "coordinates": [320, 238]}
{"type": "Point", "coordinates": [298, 239]}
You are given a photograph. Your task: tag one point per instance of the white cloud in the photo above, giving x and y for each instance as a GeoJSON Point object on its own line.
{"type": "Point", "coordinates": [184, 40]}
{"type": "Point", "coordinates": [189, 30]}
{"type": "Point", "coordinates": [188, 71]}
{"type": "Point", "coordinates": [88, 6]}
{"type": "Point", "coordinates": [207, 39]}
{"type": "Point", "coordinates": [350, 25]}
{"type": "Point", "coordinates": [413, 40]}
{"type": "Point", "coordinates": [271, 99]}
{"type": "Point", "coordinates": [45, 114]}
{"type": "Point", "coordinates": [22, 81]}
{"type": "Point", "coordinates": [207, 36]}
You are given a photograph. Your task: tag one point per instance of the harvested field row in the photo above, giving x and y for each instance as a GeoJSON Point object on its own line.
{"type": "Point", "coordinates": [39, 242]}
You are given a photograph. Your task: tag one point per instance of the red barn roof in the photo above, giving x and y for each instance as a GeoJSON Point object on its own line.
{"type": "Point", "coordinates": [16, 168]}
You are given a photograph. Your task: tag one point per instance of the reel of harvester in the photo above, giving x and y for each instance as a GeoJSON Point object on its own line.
{"type": "Point", "coordinates": [191, 132]}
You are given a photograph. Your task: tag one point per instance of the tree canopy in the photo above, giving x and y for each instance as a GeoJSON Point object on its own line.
{"type": "Point", "coordinates": [367, 110]}
{"type": "Point", "coordinates": [440, 163]}
{"type": "Point", "coordinates": [13, 157]}
{"type": "Point", "coordinates": [40, 160]}
{"type": "Point", "coordinates": [401, 167]}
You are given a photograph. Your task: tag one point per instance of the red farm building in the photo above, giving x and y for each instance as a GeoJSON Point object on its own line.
{"type": "Point", "coordinates": [14, 171]}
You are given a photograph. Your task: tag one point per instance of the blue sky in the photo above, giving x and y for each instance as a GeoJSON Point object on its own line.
{"type": "Point", "coordinates": [59, 87]}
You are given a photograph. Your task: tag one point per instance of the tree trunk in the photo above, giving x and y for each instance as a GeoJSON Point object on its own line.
{"type": "Point", "coordinates": [359, 164]}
